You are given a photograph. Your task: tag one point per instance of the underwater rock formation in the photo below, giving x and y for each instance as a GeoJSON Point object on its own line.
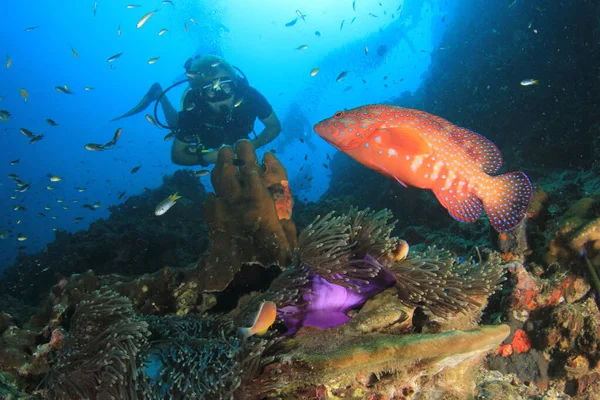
{"type": "Point", "coordinates": [242, 216]}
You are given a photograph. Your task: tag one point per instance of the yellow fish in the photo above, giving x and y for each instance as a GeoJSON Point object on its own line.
{"type": "Point", "coordinates": [150, 119]}
{"type": "Point", "coordinates": [145, 18]}
{"type": "Point", "coordinates": [24, 94]}
{"type": "Point", "coordinates": [166, 204]}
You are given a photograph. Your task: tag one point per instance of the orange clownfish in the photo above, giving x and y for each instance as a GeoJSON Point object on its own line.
{"type": "Point", "coordinates": [421, 150]}
{"type": "Point", "coordinates": [267, 313]}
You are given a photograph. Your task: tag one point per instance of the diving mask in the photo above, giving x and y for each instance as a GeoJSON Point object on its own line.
{"type": "Point", "coordinates": [218, 89]}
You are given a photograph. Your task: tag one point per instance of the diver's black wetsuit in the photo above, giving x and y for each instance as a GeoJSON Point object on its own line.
{"type": "Point", "coordinates": [200, 125]}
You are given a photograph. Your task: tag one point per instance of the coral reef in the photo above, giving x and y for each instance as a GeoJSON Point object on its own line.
{"type": "Point", "coordinates": [132, 241]}
{"type": "Point", "coordinates": [95, 344]}
{"type": "Point", "coordinates": [242, 218]}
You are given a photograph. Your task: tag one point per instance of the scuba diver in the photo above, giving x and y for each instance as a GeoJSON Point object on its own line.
{"type": "Point", "coordinates": [219, 108]}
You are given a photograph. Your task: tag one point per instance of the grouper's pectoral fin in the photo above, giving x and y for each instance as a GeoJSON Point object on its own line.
{"type": "Point", "coordinates": [403, 139]}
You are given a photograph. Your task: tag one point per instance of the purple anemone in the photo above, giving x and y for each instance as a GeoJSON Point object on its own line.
{"type": "Point", "coordinates": [326, 304]}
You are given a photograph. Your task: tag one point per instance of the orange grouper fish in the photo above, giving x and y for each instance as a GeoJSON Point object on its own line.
{"type": "Point", "coordinates": [422, 150]}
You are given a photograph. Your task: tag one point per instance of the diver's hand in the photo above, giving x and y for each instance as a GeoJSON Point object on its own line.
{"type": "Point", "coordinates": [211, 158]}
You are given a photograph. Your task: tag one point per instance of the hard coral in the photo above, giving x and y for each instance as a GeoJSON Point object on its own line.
{"type": "Point", "coordinates": [352, 365]}
{"type": "Point", "coordinates": [580, 225]}
{"type": "Point", "coordinates": [242, 217]}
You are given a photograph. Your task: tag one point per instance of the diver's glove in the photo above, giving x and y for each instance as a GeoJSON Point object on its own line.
{"type": "Point", "coordinates": [199, 151]}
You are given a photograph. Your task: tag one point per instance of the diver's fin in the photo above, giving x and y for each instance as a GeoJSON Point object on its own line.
{"type": "Point", "coordinates": [152, 95]}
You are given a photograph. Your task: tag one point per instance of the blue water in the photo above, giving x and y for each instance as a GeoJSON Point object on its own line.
{"type": "Point", "coordinates": [250, 34]}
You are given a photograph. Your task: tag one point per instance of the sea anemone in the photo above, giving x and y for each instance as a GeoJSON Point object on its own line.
{"type": "Point", "coordinates": [335, 248]}
{"type": "Point", "coordinates": [443, 285]}
{"type": "Point", "coordinates": [201, 357]}
{"type": "Point", "coordinates": [100, 352]}
{"type": "Point", "coordinates": [333, 270]}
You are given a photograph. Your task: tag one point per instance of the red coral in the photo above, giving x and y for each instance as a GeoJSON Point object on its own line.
{"type": "Point", "coordinates": [521, 342]}
{"type": "Point", "coordinates": [505, 350]}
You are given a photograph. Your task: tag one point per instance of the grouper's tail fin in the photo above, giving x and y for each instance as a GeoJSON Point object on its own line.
{"type": "Point", "coordinates": [507, 200]}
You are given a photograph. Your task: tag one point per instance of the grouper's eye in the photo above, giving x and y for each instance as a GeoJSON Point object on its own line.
{"type": "Point", "coordinates": [338, 114]}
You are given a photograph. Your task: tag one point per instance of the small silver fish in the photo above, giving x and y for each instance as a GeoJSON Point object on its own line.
{"type": "Point", "coordinates": [145, 18]}
{"type": "Point", "coordinates": [201, 173]}
{"type": "Point", "coordinates": [94, 147]}
{"type": "Point", "coordinates": [169, 136]}
{"type": "Point", "coordinates": [341, 76]}
{"type": "Point", "coordinates": [117, 135]}
{"type": "Point", "coordinates": [113, 58]}
{"type": "Point", "coordinates": [36, 139]}
{"type": "Point", "coordinates": [529, 82]}
{"type": "Point", "coordinates": [150, 119]}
